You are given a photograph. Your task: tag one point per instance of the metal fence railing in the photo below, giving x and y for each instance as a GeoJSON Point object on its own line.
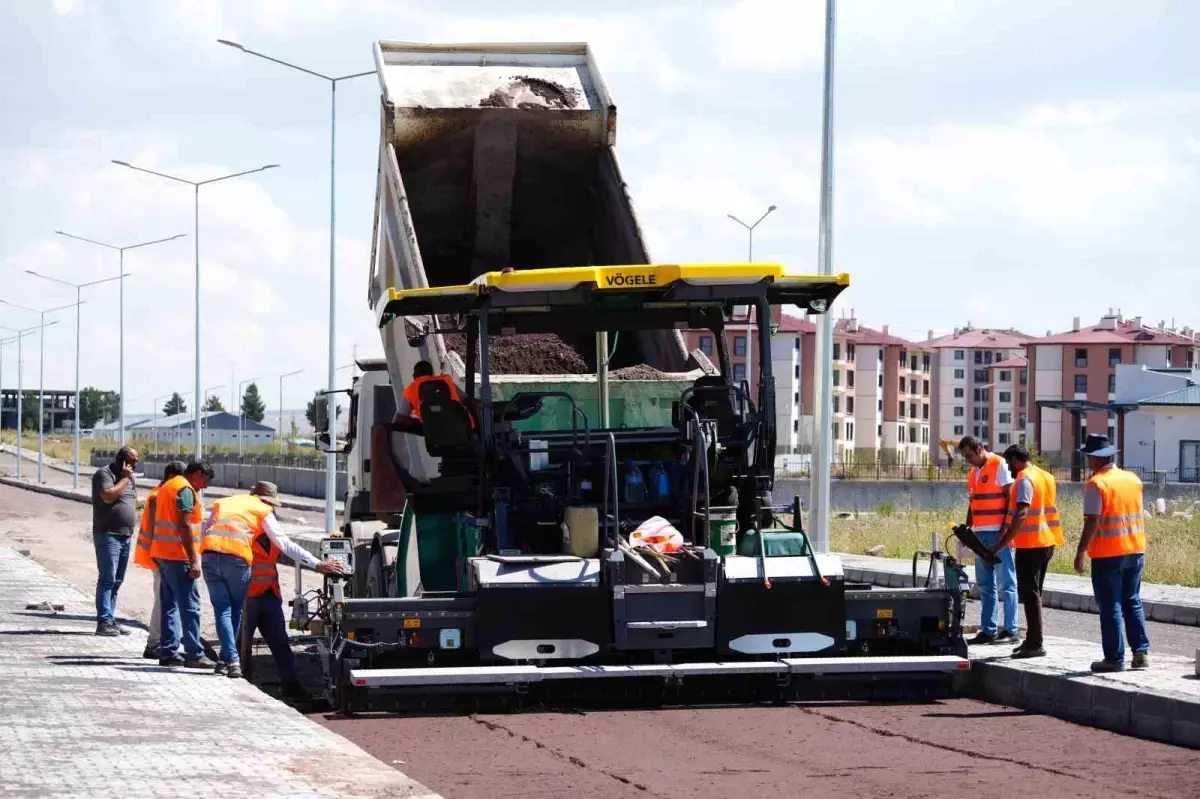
{"type": "Point", "coordinates": [859, 470]}
{"type": "Point", "coordinates": [309, 460]}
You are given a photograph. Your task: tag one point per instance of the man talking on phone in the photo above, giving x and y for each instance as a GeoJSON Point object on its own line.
{"type": "Point", "coordinates": [114, 518]}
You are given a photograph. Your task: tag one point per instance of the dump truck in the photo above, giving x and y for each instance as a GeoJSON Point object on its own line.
{"type": "Point", "coordinates": [503, 546]}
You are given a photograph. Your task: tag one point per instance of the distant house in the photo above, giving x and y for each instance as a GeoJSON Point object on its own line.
{"type": "Point", "coordinates": [218, 429]}
{"type": "Point", "coordinates": [1162, 420]}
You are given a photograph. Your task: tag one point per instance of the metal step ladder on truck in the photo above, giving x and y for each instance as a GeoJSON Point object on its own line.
{"type": "Point", "coordinates": [493, 551]}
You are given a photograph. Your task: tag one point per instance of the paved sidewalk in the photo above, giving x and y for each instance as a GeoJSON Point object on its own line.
{"type": "Point", "coordinates": [1161, 703]}
{"type": "Point", "coordinates": [86, 716]}
{"type": "Point", "coordinates": [1171, 604]}
{"type": "Point", "coordinates": [56, 468]}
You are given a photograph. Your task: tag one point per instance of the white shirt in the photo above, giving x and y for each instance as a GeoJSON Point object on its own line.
{"type": "Point", "coordinates": [279, 538]}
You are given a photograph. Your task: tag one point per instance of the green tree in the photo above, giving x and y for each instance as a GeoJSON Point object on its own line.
{"type": "Point", "coordinates": [175, 405]}
{"type": "Point", "coordinates": [253, 407]}
{"type": "Point", "coordinates": [213, 404]}
{"type": "Point", "coordinates": [97, 406]}
{"type": "Point", "coordinates": [29, 410]}
{"type": "Point", "coordinates": [310, 413]}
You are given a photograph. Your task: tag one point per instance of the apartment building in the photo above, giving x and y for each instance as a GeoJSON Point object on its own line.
{"type": "Point", "coordinates": [1081, 364]}
{"type": "Point", "coordinates": [964, 381]}
{"type": "Point", "coordinates": [1008, 391]}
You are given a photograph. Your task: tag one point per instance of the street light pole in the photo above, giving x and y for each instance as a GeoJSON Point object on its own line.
{"type": "Point", "coordinates": [819, 498]}
{"type": "Point", "coordinates": [196, 184]}
{"type": "Point", "coordinates": [79, 287]}
{"type": "Point", "coordinates": [750, 309]}
{"type": "Point", "coordinates": [41, 375]}
{"type": "Point", "coordinates": [242, 416]}
{"type": "Point", "coordinates": [287, 374]}
{"type": "Point", "coordinates": [19, 338]}
{"type": "Point", "coordinates": [331, 407]}
{"type": "Point", "coordinates": [121, 275]}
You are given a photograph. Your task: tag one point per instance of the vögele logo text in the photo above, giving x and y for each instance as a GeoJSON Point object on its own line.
{"type": "Point", "coordinates": [619, 280]}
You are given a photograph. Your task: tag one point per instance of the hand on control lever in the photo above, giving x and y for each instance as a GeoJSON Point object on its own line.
{"type": "Point", "coordinates": [331, 566]}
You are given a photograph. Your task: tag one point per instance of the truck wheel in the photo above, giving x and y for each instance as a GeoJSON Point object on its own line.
{"type": "Point", "coordinates": [376, 580]}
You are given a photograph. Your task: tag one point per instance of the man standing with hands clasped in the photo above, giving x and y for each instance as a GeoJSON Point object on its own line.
{"type": "Point", "coordinates": [988, 485]}
{"type": "Point", "coordinates": [1114, 537]}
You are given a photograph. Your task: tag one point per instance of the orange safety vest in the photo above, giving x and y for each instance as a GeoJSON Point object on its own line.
{"type": "Point", "coordinates": [1122, 526]}
{"type": "Point", "coordinates": [412, 393]}
{"type": "Point", "coordinates": [264, 574]}
{"type": "Point", "coordinates": [1041, 526]}
{"type": "Point", "coordinates": [166, 539]}
{"type": "Point", "coordinates": [232, 525]}
{"type": "Point", "coordinates": [988, 502]}
{"type": "Point", "coordinates": [141, 550]}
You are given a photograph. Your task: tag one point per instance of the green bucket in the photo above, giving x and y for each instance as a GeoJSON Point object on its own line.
{"type": "Point", "coordinates": [722, 530]}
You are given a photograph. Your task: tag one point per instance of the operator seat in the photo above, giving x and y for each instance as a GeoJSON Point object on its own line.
{"type": "Point", "coordinates": [713, 398]}
{"type": "Point", "coordinates": [447, 422]}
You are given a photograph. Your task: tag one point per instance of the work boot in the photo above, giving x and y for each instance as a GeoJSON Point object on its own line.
{"type": "Point", "coordinates": [234, 672]}
{"type": "Point", "coordinates": [1025, 651]}
{"type": "Point", "coordinates": [1005, 637]}
{"type": "Point", "coordinates": [173, 661]}
{"type": "Point", "coordinates": [150, 652]}
{"type": "Point", "coordinates": [294, 692]}
{"type": "Point", "coordinates": [199, 663]}
{"type": "Point", "coordinates": [1107, 667]}
{"type": "Point", "coordinates": [221, 667]}
{"type": "Point", "coordinates": [979, 639]}
{"type": "Point", "coordinates": [107, 630]}
{"type": "Point", "coordinates": [1141, 661]}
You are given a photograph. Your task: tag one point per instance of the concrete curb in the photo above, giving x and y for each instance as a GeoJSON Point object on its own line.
{"type": "Point", "coordinates": [1139, 713]}
{"type": "Point", "coordinates": [1165, 612]}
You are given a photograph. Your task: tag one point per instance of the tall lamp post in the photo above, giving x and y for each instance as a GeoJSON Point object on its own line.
{"type": "Point", "coordinates": [42, 374]}
{"type": "Point", "coordinates": [331, 408]}
{"type": "Point", "coordinates": [20, 339]}
{"type": "Point", "coordinates": [242, 414]}
{"type": "Point", "coordinates": [121, 275]}
{"type": "Point", "coordinates": [287, 374]}
{"type": "Point", "coordinates": [196, 184]}
{"type": "Point", "coordinates": [79, 287]}
{"type": "Point", "coordinates": [819, 497]}
{"type": "Point", "coordinates": [750, 310]}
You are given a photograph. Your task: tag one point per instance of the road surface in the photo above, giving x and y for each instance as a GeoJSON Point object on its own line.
{"type": "Point", "coordinates": [948, 748]}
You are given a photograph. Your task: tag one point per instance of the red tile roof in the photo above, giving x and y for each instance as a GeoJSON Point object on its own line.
{"type": "Point", "coordinates": [861, 334]}
{"type": "Point", "coordinates": [1018, 362]}
{"type": "Point", "coordinates": [1123, 333]}
{"type": "Point", "coordinates": [985, 338]}
{"type": "Point", "coordinates": [795, 324]}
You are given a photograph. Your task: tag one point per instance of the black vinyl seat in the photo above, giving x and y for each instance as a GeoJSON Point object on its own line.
{"type": "Point", "coordinates": [448, 426]}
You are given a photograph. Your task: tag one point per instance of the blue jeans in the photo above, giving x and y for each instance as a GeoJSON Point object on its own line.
{"type": "Point", "coordinates": [226, 577]}
{"type": "Point", "coordinates": [265, 614]}
{"type": "Point", "coordinates": [180, 600]}
{"type": "Point", "coordinates": [112, 556]}
{"type": "Point", "coordinates": [1117, 584]}
{"type": "Point", "coordinates": [986, 576]}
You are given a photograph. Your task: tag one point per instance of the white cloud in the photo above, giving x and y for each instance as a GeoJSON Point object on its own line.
{"type": "Point", "coordinates": [65, 8]}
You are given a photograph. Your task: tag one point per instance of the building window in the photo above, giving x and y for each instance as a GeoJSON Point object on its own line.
{"type": "Point", "coordinates": [903, 385]}
{"type": "Point", "coordinates": [849, 431]}
{"type": "Point", "coordinates": [837, 377]}
{"type": "Point", "coordinates": [1004, 396]}
{"type": "Point", "coordinates": [1080, 384]}
{"type": "Point", "coordinates": [960, 355]}
{"type": "Point", "coordinates": [1021, 400]}
{"type": "Point", "coordinates": [925, 361]}
{"type": "Point", "coordinates": [879, 352]}
{"type": "Point", "coordinates": [1112, 384]}
{"type": "Point", "coordinates": [958, 411]}
{"type": "Point", "coordinates": [880, 404]}
{"type": "Point", "coordinates": [903, 359]}
{"type": "Point", "coordinates": [1004, 418]}
{"type": "Point", "coordinates": [706, 345]}
{"type": "Point", "coordinates": [850, 378]}
{"type": "Point", "coordinates": [797, 370]}
{"type": "Point", "coordinates": [1080, 358]}
{"type": "Point", "coordinates": [835, 431]}
{"type": "Point", "coordinates": [959, 393]}
{"type": "Point", "coordinates": [912, 386]}
{"type": "Point", "coordinates": [880, 381]}
{"type": "Point", "coordinates": [912, 410]}
{"type": "Point", "coordinates": [925, 388]}
{"type": "Point", "coordinates": [837, 350]}
{"type": "Point", "coordinates": [958, 430]}
{"type": "Point", "coordinates": [1024, 376]}
{"type": "Point", "coordinates": [796, 398]}
{"type": "Point", "coordinates": [879, 431]}
{"type": "Point", "coordinates": [849, 404]}
{"type": "Point", "coordinates": [924, 435]}
{"type": "Point", "coordinates": [901, 410]}
{"type": "Point", "coordinates": [912, 363]}
{"type": "Point", "coordinates": [739, 346]}
{"type": "Point", "coordinates": [850, 353]}
{"type": "Point", "coordinates": [975, 412]}
{"type": "Point", "coordinates": [1003, 439]}
{"type": "Point", "coordinates": [900, 431]}
{"type": "Point", "coordinates": [1005, 376]}
{"type": "Point", "coordinates": [1170, 355]}
{"type": "Point", "coordinates": [1021, 420]}
{"type": "Point", "coordinates": [986, 412]}
{"type": "Point", "coordinates": [960, 374]}
{"type": "Point", "coordinates": [925, 411]}
{"type": "Point", "coordinates": [1114, 357]}
{"type": "Point", "coordinates": [978, 357]}
{"type": "Point", "coordinates": [739, 372]}
{"type": "Point", "coordinates": [795, 425]}
{"type": "Point", "coordinates": [987, 357]}
{"type": "Point", "coordinates": [981, 376]}
{"type": "Point", "coordinates": [978, 395]}
{"type": "Point", "coordinates": [837, 405]}
{"type": "Point", "coordinates": [796, 342]}
{"type": "Point", "coordinates": [912, 435]}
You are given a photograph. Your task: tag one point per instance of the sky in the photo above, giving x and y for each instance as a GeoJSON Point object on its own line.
{"type": "Point", "coordinates": [998, 162]}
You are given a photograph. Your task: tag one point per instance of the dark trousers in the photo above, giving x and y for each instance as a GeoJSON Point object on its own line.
{"type": "Point", "coordinates": [264, 614]}
{"type": "Point", "coordinates": [1031, 576]}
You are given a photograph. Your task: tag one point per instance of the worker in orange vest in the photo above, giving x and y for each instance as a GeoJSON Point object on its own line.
{"type": "Point", "coordinates": [1034, 529]}
{"type": "Point", "coordinates": [226, 556]}
{"type": "Point", "coordinates": [141, 557]}
{"type": "Point", "coordinates": [408, 415]}
{"type": "Point", "coordinates": [175, 549]}
{"type": "Point", "coordinates": [264, 599]}
{"type": "Point", "coordinates": [987, 494]}
{"type": "Point", "coordinates": [1114, 537]}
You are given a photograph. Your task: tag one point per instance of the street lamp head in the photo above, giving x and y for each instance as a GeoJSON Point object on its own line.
{"type": "Point", "coordinates": [121, 163]}
{"type": "Point", "coordinates": [268, 166]}
{"type": "Point", "coordinates": [769, 210]}
{"type": "Point", "coordinates": [228, 43]}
